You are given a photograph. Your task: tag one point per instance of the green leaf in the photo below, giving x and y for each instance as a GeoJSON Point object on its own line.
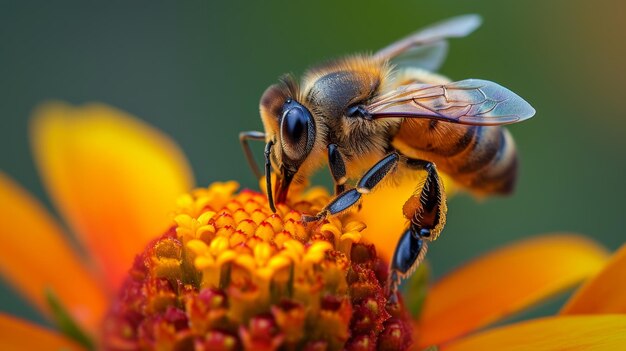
{"type": "Point", "coordinates": [66, 323]}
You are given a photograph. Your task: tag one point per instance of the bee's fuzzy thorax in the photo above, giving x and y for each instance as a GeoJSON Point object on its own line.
{"type": "Point", "coordinates": [359, 63]}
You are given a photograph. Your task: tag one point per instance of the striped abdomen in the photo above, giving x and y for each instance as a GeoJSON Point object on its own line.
{"type": "Point", "coordinates": [479, 158]}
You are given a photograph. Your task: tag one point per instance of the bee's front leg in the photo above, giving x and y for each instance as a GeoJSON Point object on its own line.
{"type": "Point", "coordinates": [347, 199]}
{"type": "Point", "coordinates": [243, 139]}
{"type": "Point", "coordinates": [426, 209]}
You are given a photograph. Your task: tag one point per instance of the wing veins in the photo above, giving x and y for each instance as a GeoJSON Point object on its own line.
{"type": "Point", "coordinates": [475, 102]}
{"type": "Point", "coordinates": [436, 112]}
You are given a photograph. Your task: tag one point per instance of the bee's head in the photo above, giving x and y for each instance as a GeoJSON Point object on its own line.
{"type": "Point", "coordinates": [290, 134]}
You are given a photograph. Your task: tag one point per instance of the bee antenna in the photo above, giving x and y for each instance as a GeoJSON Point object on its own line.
{"type": "Point", "coordinates": [268, 175]}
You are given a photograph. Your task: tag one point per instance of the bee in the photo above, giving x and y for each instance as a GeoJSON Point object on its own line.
{"type": "Point", "coordinates": [370, 116]}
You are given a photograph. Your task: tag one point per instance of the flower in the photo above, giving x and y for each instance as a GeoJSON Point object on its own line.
{"type": "Point", "coordinates": [232, 274]}
{"type": "Point", "coordinates": [228, 273]}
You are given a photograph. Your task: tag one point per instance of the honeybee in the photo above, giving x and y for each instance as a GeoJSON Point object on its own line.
{"type": "Point", "coordinates": [370, 116]}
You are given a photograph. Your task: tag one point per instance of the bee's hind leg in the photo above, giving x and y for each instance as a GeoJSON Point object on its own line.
{"type": "Point", "coordinates": [408, 255]}
{"type": "Point", "coordinates": [370, 179]}
{"type": "Point", "coordinates": [426, 209]}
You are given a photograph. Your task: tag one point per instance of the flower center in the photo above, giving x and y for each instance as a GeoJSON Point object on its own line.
{"type": "Point", "coordinates": [232, 275]}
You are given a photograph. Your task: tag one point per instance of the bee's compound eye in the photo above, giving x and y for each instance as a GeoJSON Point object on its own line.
{"type": "Point", "coordinates": [295, 124]}
{"type": "Point", "coordinates": [296, 127]}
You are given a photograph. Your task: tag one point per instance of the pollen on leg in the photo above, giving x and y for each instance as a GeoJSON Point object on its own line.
{"type": "Point", "coordinates": [232, 275]}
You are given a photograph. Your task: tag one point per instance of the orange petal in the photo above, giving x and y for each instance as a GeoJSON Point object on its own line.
{"type": "Point", "coordinates": [506, 281]}
{"type": "Point", "coordinates": [605, 292]}
{"type": "Point", "coordinates": [600, 332]}
{"type": "Point", "coordinates": [113, 177]}
{"type": "Point", "coordinates": [385, 205]}
{"type": "Point", "coordinates": [17, 335]}
{"type": "Point", "coordinates": [34, 256]}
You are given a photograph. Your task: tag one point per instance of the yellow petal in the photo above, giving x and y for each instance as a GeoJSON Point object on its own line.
{"type": "Point", "coordinates": [506, 281]}
{"type": "Point", "coordinates": [600, 332]}
{"type": "Point", "coordinates": [385, 206]}
{"type": "Point", "coordinates": [34, 256]}
{"type": "Point", "coordinates": [17, 335]}
{"type": "Point", "coordinates": [114, 178]}
{"type": "Point", "coordinates": [605, 292]}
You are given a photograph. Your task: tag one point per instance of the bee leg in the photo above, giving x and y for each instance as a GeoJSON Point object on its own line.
{"type": "Point", "coordinates": [268, 175]}
{"type": "Point", "coordinates": [337, 168]}
{"type": "Point", "coordinates": [426, 209]}
{"type": "Point", "coordinates": [243, 139]}
{"type": "Point", "coordinates": [409, 253]}
{"type": "Point", "coordinates": [348, 198]}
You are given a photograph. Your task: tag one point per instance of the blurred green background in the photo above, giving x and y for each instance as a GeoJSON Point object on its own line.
{"type": "Point", "coordinates": [196, 70]}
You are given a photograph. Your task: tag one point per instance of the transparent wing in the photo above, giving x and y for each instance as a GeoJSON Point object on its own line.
{"type": "Point", "coordinates": [455, 27]}
{"type": "Point", "coordinates": [471, 101]}
{"type": "Point", "coordinates": [429, 57]}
